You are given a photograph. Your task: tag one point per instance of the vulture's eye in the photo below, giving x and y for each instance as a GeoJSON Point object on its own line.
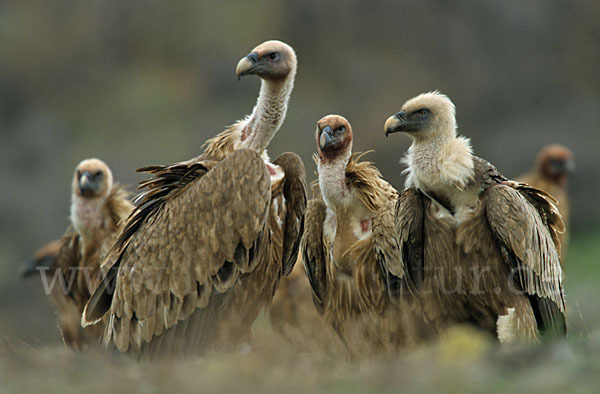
{"type": "Point", "coordinates": [341, 129]}
{"type": "Point", "coordinates": [423, 112]}
{"type": "Point", "coordinates": [78, 174]}
{"type": "Point", "coordinates": [98, 173]}
{"type": "Point", "coordinates": [273, 56]}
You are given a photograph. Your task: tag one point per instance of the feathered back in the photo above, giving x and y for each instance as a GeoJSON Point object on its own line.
{"type": "Point", "coordinates": [224, 143]}
{"type": "Point", "coordinates": [170, 179]}
{"type": "Point", "coordinates": [366, 179]}
{"type": "Point", "coordinates": [118, 204]}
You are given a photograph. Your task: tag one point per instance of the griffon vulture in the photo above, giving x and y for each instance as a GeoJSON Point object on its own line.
{"type": "Point", "coordinates": [553, 166]}
{"type": "Point", "coordinates": [71, 265]}
{"type": "Point", "coordinates": [480, 248]}
{"type": "Point", "coordinates": [350, 235]}
{"type": "Point", "coordinates": [203, 251]}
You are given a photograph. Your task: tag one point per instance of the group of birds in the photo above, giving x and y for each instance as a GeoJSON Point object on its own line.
{"type": "Point", "coordinates": [213, 240]}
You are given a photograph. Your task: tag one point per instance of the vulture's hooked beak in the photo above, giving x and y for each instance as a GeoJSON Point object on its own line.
{"type": "Point", "coordinates": [327, 137]}
{"type": "Point", "coordinates": [88, 185]}
{"type": "Point", "coordinates": [395, 123]}
{"type": "Point", "coordinates": [247, 65]}
{"type": "Point", "coordinates": [562, 167]}
{"type": "Point", "coordinates": [570, 165]}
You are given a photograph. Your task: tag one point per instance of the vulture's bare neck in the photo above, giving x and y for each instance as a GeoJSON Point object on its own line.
{"type": "Point", "coordinates": [332, 181]}
{"type": "Point", "coordinates": [269, 113]}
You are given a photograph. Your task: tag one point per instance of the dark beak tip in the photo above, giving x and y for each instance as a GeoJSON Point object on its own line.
{"type": "Point", "coordinates": [325, 138]}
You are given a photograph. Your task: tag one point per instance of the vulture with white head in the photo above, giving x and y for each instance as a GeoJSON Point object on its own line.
{"type": "Point", "coordinates": [71, 266]}
{"type": "Point", "coordinates": [203, 252]}
{"type": "Point", "coordinates": [554, 164]}
{"type": "Point", "coordinates": [350, 236]}
{"type": "Point", "coordinates": [480, 249]}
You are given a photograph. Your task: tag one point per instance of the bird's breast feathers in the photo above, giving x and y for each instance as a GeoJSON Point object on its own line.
{"type": "Point", "coordinates": [447, 166]}
{"type": "Point", "coordinates": [344, 232]}
{"type": "Point", "coordinates": [86, 215]}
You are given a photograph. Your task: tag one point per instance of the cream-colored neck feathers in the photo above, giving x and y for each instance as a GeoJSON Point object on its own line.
{"type": "Point", "coordinates": [87, 217]}
{"type": "Point", "coordinates": [440, 163]}
{"type": "Point", "coordinates": [269, 112]}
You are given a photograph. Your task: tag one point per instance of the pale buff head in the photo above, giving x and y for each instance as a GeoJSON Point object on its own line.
{"type": "Point", "coordinates": [91, 186]}
{"type": "Point", "coordinates": [427, 117]}
{"type": "Point", "coordinates": [272, 60]}
{"type": "Point", "coordinates": [275, 63]}
{"type": "Point", "coordinates": [92, 180]}
{"type": "Point", "coordinates": [334, 137]}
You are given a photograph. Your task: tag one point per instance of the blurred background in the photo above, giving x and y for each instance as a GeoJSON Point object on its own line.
{"type": "Point", "coordinates": [147, 82]}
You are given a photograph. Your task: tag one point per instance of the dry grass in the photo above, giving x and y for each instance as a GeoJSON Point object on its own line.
{"type": "Point", "coordinates": [462, 362]}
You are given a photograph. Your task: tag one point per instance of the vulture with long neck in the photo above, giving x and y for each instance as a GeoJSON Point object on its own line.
{"type": "Point", "coordinates": [553, 166]}
{"type": "Point", "coordinates": [210, 238]}
{"type": "Point", "coordinates": [71, 266]}
{"type": "Point", "coordinates": [349, 237]}
{"type": "Point", "coordinates": [479, 248]}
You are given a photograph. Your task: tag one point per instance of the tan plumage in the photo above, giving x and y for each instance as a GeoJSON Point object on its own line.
{"type": "Point", "coordinates": [480, 249]}
{"type": "Point", "coordinates": [553, 165]}
{"type": "Point", "coordinates": [293, 315]}
{"type": "Point", "coordinates": [71, 265]}
{"type": "Point", "coordinates": [204, 250]}
{"type": "Point", "coordinates": [350, 235]}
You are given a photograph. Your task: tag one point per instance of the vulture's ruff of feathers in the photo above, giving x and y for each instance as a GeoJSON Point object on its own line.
{"type": "Point", "coordinates": [480, 249]}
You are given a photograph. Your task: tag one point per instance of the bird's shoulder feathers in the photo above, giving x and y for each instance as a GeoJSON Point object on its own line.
{"type": "Point", "coordinates": [197, 228]}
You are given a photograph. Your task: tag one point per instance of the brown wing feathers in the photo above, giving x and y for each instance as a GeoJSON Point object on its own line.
{"type": "Point", "coordinates": [294, 191]}
{"type": "Point", "coordinates": [166, 180]}
{"type": "Point", "coordinates": [409, 227]}
{"type": "Point", "coordinates": [313, 252]}
{"type": "Point", "coordinates": [387, 253]}
{"type": "Point", "coordinates": [46, 258]}
{"type": "Point", "coordinates": [192, 247]}
{"type": "Point", "coordinates": [527, 235]}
